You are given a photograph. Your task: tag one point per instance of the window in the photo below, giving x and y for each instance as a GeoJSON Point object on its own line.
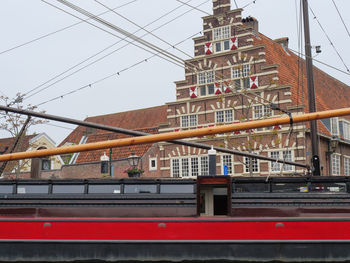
{"type": "Point", "coordinates": [193, 120]}
{"type": "Point", "coordinates": [140, 189]}
{"type": "Point", "coordinates": [190, 166]}
{"type": "Point", "coordinates": [152, 164]}
{"type": "Point", "coordinates": [261, 111]}
{"type": "Point", "coordinates": [189, 121]}
{"type": "Point", "coordinates": [334, 126]}
{"type": "Point", "coordinates": [184, 121]}
{"type": "Point", "coordinates": [194, 166]}
{"type": "Point", "coordinates": [335, 164]}
{"type": "Point", "coordinates": [240, 75]}
{"type": "Point", "coordinates": [176, 189]}
{"type": "Point", "coordinates": [206, 83]}
{"type": "Point", "coordinates": [284, 155]}
{"type": "Point", "coordinates": [104, 189]}
{"type": "Point", "coordinates": [221, 38]}
{"type": "Point", "coordinates": [221, 33]}
{"type": "Point", "coordinates": [255, 164]}
{"type": "Point", "coordinates": [346, 165]}
{"type": "Point", "coordinates": [227, 161]}
{"type": "Point", "coordinates": [6, 189]}
{"type": "Point", "coordinates": [224, 116]}
{"type": "Point", "coordinates": [175, 164]}
{"type": "Point", "coordinates": [204, 165]}
{"type": "Point", "coordinates": [32, 189]}
{"type": "Point", "coordinates": [344, 129]}
{"type": "Point", "coordinates": [45, 164]}
{"type": "Point", "coordinates": [68, 189]}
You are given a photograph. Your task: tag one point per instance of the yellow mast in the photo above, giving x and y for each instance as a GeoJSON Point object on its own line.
{"type": "Point", "coordinates": [176, 135]}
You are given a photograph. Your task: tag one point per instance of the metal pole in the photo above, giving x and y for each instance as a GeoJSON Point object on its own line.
{"type": "Point", "coordinates": [138, 133]}
{"type": "Point", "coordinates": [169, 136]}
{"type": "Point", "coordinates": [311, 91]}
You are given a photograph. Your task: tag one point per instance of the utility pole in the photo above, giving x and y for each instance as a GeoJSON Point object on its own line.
{"type": "Point", "coordinates": [311, 91]}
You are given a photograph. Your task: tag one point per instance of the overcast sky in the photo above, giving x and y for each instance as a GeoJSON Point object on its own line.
{"type": "Point", "coordinates": [151, 82]}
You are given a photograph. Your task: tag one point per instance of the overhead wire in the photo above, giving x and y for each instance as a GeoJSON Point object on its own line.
{"type": "Point", "coordinates": [346, 28]}
{"type": "Point", "coordinates": [142, 28]}
{"type": "Point", "coordinates": [108, 76]}
{"type": "Point", "coordinates": [329, 39]}
{"type": "Point", "coordinates": [125, 39]}
{"type": "Point", "coordinates": [60, 30]}
{"type": "Point", "coordinates": [123, 32]}
{"type": "Point", "coordinates": [99, 59]}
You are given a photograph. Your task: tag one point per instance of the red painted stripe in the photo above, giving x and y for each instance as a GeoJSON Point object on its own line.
{"type": "Point", "coordinates": [198, 230]}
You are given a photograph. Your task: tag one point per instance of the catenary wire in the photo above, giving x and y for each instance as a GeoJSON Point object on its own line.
{"type": "Point", "coordinates": [59, 30]}
{"type": "Point", "coordinates": [107, 77]}
{"type": "Point", "coordinates": [123, 32]}
{"type": "Point", "coordinates": [92, 56]}
{"type": "Point", "coordinates": [329, 39]}
{"type": "Point", "coordinates": [110, 53]}
{"type": "Point", "coordinates": [346, 28]}
{"type": "Point", "coordinates": [142, 28]}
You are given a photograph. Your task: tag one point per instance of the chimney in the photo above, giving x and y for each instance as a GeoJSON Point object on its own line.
{"type": "Point", "coordinates": [253, 23]}
{"type": "Point", "coordinates": [283, 42]}
{"type": "Point", "coordinates": [221, 6]}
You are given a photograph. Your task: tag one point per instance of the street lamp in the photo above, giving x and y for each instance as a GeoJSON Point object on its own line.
{"type": "Point", "coordinates": [133, 160]}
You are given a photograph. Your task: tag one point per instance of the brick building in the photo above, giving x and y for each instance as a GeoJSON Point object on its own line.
{"type": "Point", "coordinates": [237, 75]}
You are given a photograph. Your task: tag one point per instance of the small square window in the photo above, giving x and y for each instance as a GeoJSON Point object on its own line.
{"type": "Point", "coordinates": [45, 164]}
{"type": "Point", "coordinates": [152, 164]}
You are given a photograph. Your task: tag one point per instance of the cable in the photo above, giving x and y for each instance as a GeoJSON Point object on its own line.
{"type": "Point", "coordinates": [330, 41]}
{"type": "Point", "coordinates": [252, 2]}
{"type": "Point", "coordinates": [107, 77]}
{"type": "Point", "coordinates": [346, 28]}
{"type": "Point", "coordinates": [157, 54]}
{"type": "Point", "coordinates": [59, 30]}
{"type": "Point", "coordinates": [44, 88]}
{"type": "Point", "coordinates": [236, 4]}
{"type": "Point", "coordinates": [149, 45]}
{"type": "Point", "coordinates": [149, 32]}
{"type": "Point", "coordinates": [96, 54]}
{"type": "Point", "coordinates": [323, 63]}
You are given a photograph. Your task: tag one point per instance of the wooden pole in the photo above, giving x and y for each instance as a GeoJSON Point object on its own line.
{"type": "Point", "coordinates": [176, 135]}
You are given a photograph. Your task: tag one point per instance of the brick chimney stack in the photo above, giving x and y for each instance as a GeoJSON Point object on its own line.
{"type": "Point", "coordinates": [221, 6]}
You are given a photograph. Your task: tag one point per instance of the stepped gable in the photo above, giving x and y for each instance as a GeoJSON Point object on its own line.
{"type": "Point", "coordinates": [330, 92]}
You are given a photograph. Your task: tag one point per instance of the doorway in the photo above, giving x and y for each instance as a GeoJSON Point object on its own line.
{"type": "Point", "coordinates": [214, 197]}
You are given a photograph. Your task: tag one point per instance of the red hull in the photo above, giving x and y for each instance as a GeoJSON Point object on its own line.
{"type": "Point", "coordinates": [176, 229]}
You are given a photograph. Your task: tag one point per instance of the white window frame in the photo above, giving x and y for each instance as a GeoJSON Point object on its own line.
{"type": "Point", "coordinates": [255, 165]}
{"type": "Point", "coordinates": [185, 121]}
{"type": "Point", "coordinates": [335, 164]}
{"type": "Point", "coordinates": [190, 166]}
{"type": "Point", "coordinates": [276, 167]}
{"type": "Point", "coordinates": [220, 36]}
{"type": "Point", "coordinates": [153, 168]}
{"type": "Point", "coordinates": [206, 79]}
{"type": "Point", "coordinates": [241, 75]}
{"type": "Point", "coordinates": [346, 165]}
{"type": "Point", "coordinates": [335, 126]}
{"type": "Point", "coordinates": [346, 129]}
{"type": "Point", "coordinates": [227, 159]}
{"type": "Point", "coordinates": [225, 117]}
